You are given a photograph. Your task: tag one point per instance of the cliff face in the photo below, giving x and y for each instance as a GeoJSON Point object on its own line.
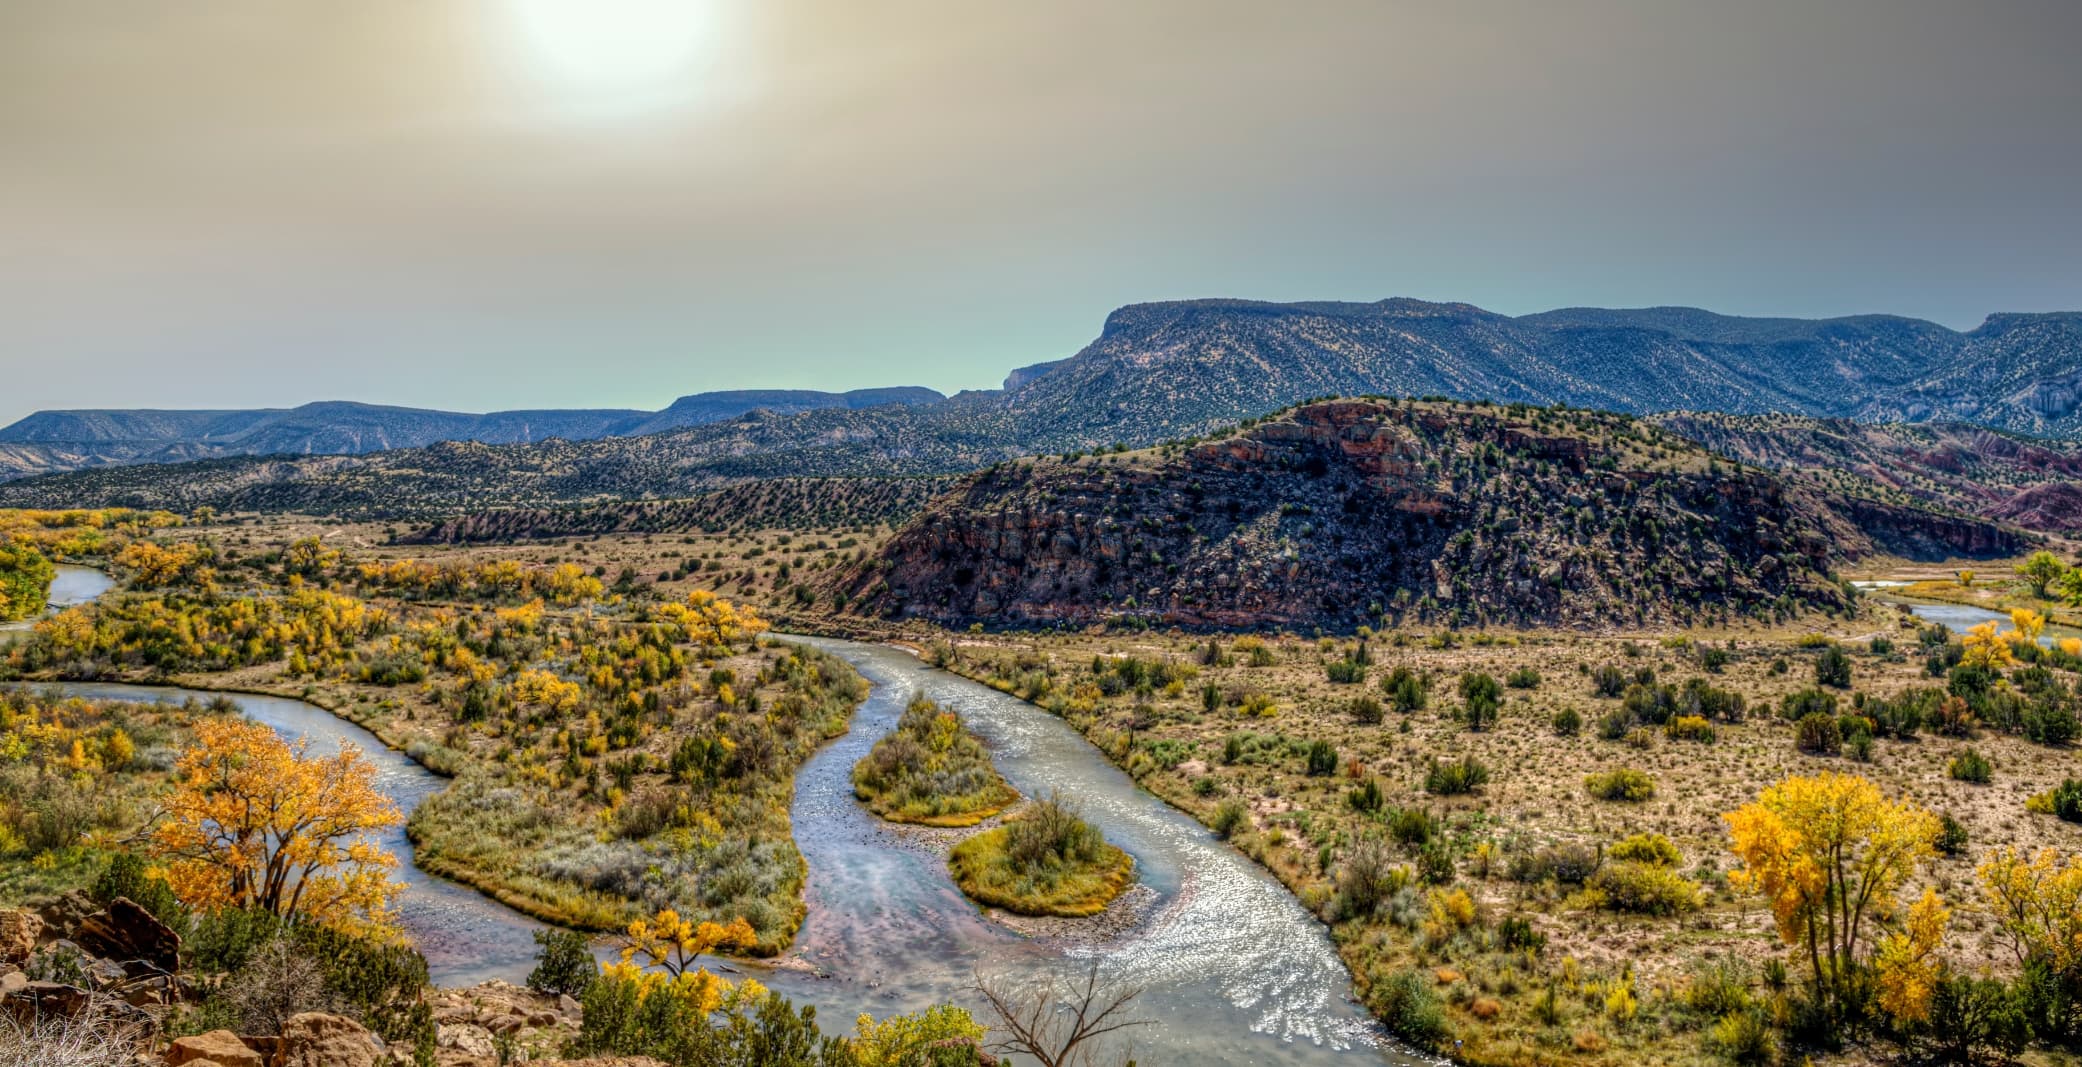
{"type": "Point", "coordinates": [1341, 512]}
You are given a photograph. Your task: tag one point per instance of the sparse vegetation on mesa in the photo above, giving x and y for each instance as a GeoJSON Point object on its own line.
{"type": "Point", "coordinates": [1045, 860]}
{"type": "Point", "coordinates": [931, 770]}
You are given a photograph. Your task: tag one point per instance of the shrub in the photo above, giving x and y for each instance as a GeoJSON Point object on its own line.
{"type": "Point", "coordinates": [1411, 827]}
{"type": "Point", "coordinates": [1230, 816]}
{"type": "Point", "coordinates": [1970, 766]}
{"type": "Point", "coordinates": [126, 876]}
{"type": "Point", "coordinates": [1363, 883]}
{"type": "Point", "coordinates": [1569, 862]}
{"type": "Point", "coordinates": [565, 967]}
{"type": "Point", "coordinates": [1818, 734]}
{"type": "Point", "coordinates": [1608, 681]}
{"type": "Point", "coordinates": [1971, 1015]}
{"type": "Point", "coordinates": [1322, 759]}
{"type": "Point", "coordinates": [1366, 797]}
{"type": "Point", "coordinates": [1614, 724]}
{"type": "Point", "coordinates": [2063, 800]}
{"type": "Point", "coordinates": [1833, 668]}
{"type": "Point", "coordinates": [1622, 783]}
{"type": "Point", "coordinates": [1461, 776]}
{"type": "Point", "coordinates": [1567, 722]}
{"type": "Point", "coordinates": [1366, 711]}
{"type": "Point", "coordinates": [1744, 1037]}
{"type": "Point", "coordinates": [1516, 934]}
{"type": "Point", "coordinates": [1523, 678]}
{"type": "Point", "coordinates": [1797, 706]}
{"type": "Point", "coordinates": [1951, 836]}
{"type": "Point", "coordinates": [1405, 690]}
{"type": "Point", "coordinates": [1644, 888]}
{"type": "Point", "coordinates": [1481, 697]}
{"type": "Point", "coordinates": [1347, 672]}
{"type": "Point", "coordinates": [2050, 724]}
{"type": "Point", "coordinates": [1647, 848]}
{"type": "Point", "coordinates": [1689, 728]}
{"type": "Point", "coordinates": [1406, 1003]}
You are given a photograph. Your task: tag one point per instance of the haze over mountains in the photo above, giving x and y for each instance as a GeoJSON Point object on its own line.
{"type": "Point", "coordinates": [1156, 372]}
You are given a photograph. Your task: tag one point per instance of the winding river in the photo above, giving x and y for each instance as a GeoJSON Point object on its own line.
{"type": "Point", "coordinates": [1233, 969]}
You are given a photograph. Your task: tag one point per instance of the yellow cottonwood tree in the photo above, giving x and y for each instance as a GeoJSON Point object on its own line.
{"type": "Point", "coordinates": [673, 944]}
{"type": "Point", "coordinates": [2037, 902]}
{"type": "Point", "coordinates": [254, 822]}
{"type": "Point", "coordinates": [1984, 647]}
{"type": "Point", "coordinates": [711, 620]}
{"type": "Point", "coordinates": [1828, 853]}
{"type": "Point", "coordinates": [1908, 963]}
{"type": "Point", "coordinates": [2028, 625]}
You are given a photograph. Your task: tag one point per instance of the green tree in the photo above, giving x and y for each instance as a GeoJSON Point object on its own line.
{"type": "Point", "coordinates": [25, 581]}
{"type": "Point", "coordinates": [2041, 569]}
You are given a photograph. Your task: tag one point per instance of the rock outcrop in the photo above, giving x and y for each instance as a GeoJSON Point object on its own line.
{"type": "Point", "coordinates": [128, 934]}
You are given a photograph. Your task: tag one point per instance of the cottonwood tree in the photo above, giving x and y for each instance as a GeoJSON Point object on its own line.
{"type": "Point", "coordinates": [1828, 854]}
{"type": "Point", "coordinates": [253, 822]}
{"type": "Point", "coordinates": [675, 944]}
{"type": "Point", "coordinates": [1060, 1021]}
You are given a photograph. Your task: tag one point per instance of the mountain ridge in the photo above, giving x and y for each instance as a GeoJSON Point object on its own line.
{"type": "Point", "coordinates": [1180, 369]}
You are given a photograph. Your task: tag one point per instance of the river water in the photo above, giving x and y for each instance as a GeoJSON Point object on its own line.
{"type": "Point", "coordinates": [1233, 969]}
{"type": "Point", "coordinates": [71, 585]}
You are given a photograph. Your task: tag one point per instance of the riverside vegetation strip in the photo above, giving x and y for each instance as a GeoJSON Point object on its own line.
{"type": "Point", "coordinates": [609, 758]}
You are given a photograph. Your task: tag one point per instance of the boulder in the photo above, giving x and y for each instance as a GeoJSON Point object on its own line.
{"type": "Point", "coordinates": [316, 1039]}
{"type": "Point", "coordinates": [125, 931]}
{"type": "Point", "coordinates": [221, 1047]}
{"type": "Point", "coordinates": [64, 914]}
{"type": "Point", "coordinates": [19, 932]}
{"type": "Point", "coordinates": [45, 1000]}
{"type": "Point", "coordinates": [466, 1038]}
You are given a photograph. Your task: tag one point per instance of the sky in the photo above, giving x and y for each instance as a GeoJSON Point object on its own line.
{"type": "Point", "coordinates": [486, 204]}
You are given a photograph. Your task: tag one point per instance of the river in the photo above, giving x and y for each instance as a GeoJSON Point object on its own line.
{"type": "Point", "coordinates": [1233, 969]}
{"type": "Point", "coordinates": [71, 585]}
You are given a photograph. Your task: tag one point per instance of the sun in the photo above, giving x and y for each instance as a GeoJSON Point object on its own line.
{"type": "Point", "coordinates": [614, 53]}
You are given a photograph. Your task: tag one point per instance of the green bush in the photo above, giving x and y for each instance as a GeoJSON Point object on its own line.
{"type": "Point", "coordinates": [1810, 701]}
{"type": "Point", "coordinates": [1567, 722]}
{"type": "Point", "coordinates": [1230, 816]}
{"type": "Point", "coordinates": [1569, 862]}
{"type": "Point", "coordinates": [1411, 827]}
{"type": "Point", "coordinates": [1347, 672]}
{"type": "Point", "coordinates": [1480, 697]}
{"type": "Point", "coordinates": [126, 876]}
{"type": "Point", "coordinates": [1970, 766]}
{"type": "Point", "coordinates": [1973, 1016]}
{"type": "Point", "coordinates": [1644, 888]}
{"type": "Point", "coordinates": [1322, 759]}
{"type": "Point", "coordinates": [1608, 681]}
{"type": "Point", "coordinates": [1406, 1003]}
{"type": "Point", "coordinates": [1833, 668]}
{"type": "Point", "coordinates": [1951, 836]}
{"type": "Point", "coordinates": [1818, 734]}
{"type": "Point", "coordinates": [1523, 678]}
{"type": "Point", "coordinates": [1464, 775]}
{"type": "Point", "coordinates": [565, 967]}
{"type": "Point", "coordinates": [1623, 783]}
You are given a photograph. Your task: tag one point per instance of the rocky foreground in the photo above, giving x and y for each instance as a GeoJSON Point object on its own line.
{"type": "Point", "coordinates": [73, 971]}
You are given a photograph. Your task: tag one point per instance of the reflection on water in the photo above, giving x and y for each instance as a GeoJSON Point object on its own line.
{"type": "Point", "coordinates": [70, 586]}
{"type": "Point", "coordinates": [1234, 969]}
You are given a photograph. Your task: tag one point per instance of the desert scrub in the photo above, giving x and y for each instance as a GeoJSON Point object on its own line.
{"type": "Point", "coordinates": [1045, 861]}
{"type": "Point", "coordinates": [931, 770]}
{"type": "Point", "coordinates": [1622, 783]}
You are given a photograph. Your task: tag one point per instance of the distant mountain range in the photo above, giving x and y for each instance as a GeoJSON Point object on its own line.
{"type": "Point", "coordinates": [72, 439]}
{"type": "Point", "coordinates": [1168, 371]}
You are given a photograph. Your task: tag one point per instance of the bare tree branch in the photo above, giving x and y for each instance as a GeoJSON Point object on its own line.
{"type": "Point", "coordinates": [1060, 1022]}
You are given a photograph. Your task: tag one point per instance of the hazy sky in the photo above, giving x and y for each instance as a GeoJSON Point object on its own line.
{"type": "Point", "coordinates": [480, 204]}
